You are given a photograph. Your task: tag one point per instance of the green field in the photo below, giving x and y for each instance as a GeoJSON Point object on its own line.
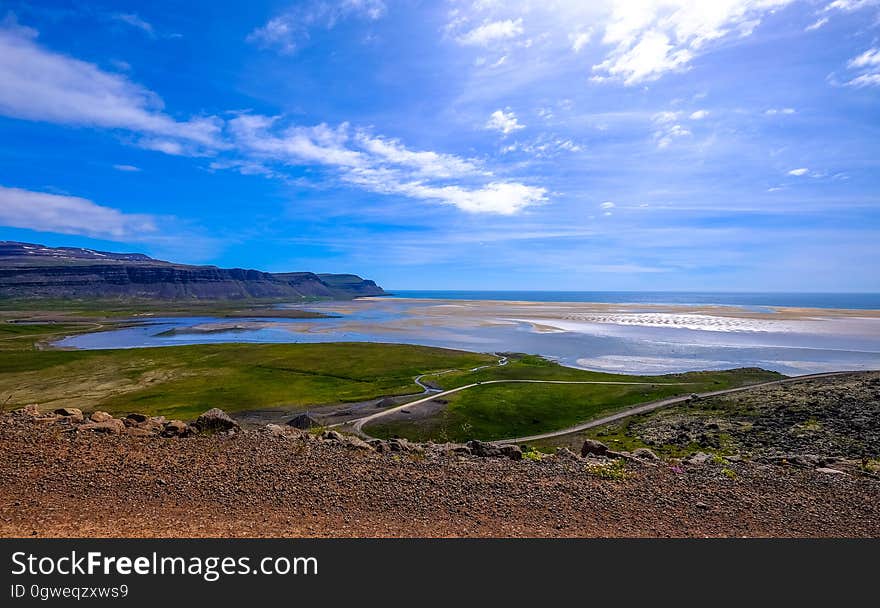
{"type": "Point", "coordinates": [500, 411]}
{"type": "Point", "coordinates": [184, 381]}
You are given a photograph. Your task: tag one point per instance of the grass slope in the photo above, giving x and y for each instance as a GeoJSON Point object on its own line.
{"type": "Point", "coordinates": [499, 411]}
{"type": "Point", "coordinates": [183, 381]}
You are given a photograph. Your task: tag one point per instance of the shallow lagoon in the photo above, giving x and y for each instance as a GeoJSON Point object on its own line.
{"type": "Point", "coordinates": [630, 339]}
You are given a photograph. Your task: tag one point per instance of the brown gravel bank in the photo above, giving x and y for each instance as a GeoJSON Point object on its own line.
{"type": "Point", "coordinates": [59, 482]}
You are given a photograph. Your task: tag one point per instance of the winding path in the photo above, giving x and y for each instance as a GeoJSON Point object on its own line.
{"type": "Point", "coordinates": [358, 424]}
{"type": "Point", "coordinates": [653, 405]}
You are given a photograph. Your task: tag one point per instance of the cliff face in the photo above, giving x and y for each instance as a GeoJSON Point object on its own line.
{"type": "Point", "coordinates": [35, 271]}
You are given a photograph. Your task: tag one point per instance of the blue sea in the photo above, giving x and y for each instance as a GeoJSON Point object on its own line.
{"type": "Point", "coordinates": [750, 300]}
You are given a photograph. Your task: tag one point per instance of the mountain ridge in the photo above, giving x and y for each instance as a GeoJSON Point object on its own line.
{"type": "Point", "coordinates": [30, 270]}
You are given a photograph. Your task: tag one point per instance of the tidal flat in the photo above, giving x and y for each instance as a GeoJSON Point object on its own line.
{"type": "Point", "coordinates": [637, 338]}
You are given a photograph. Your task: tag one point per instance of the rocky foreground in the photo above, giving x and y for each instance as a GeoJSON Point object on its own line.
{"type": "Point", "coordinates": [67, 474]}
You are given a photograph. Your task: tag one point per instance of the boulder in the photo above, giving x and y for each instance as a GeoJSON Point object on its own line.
{"type": "Point", "coordinates": [333, 436]}
{"type": "Point", "coordinates": [175, 428]}
{"type": "Point", "coordinates": [511, 451]}
{"type": "Point", "coordinates": [830, 471]}
{"type": "Point", "coordinates": [699, 458]}
{"type": "Point", "coordinates": [358, 443]}
{"type": "Point", "coordinates": [114, 426]}
{"type": "Point", "coordinates": [30, 411]}
{"type": "Point", "coordinates": [379, 445]}
{"type": "Point", "coordinates": [304, 422]}
{"type": "Point", "coordinates": [215, 420]}
{"type": "Point", "coordinates": [136, 418]}
{"type": "Point", "coordinates": [139, 432]}
{"type": "Point", "coordinates": [100, 417]}
{"type": "Point", "coordinates": [483, 449]}
{"type": "Point", "coordinates": [566, 454]}
{"type": "Point", "coordinates": [69, 411]}
{"type": "Point", "coordinates": [645, 454]}
{"type": "Point", "coordinates": [593, 447]}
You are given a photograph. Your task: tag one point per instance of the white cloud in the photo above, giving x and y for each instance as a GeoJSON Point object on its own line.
{"type": "Point", "coordinates": [868, 63]}
{"type": "Point", "coordinates": [775, 111]}
{"type": "Point", "coordinates": [668, 128]}
{"type": "Point", "coordinates": [383, 165]}
{"type": "Point", "coordinates": [699, 114]}
{"type": "Point", "coordinates": [290, 31]}
{"type": "Point", "coordinates": [40, 85]}
{"type": "Point", "coordinates": [543, 146]}
{"type": "Point", "coordinates": [607, 205]}
{"type": "Point", "coordinates": [652, 37]}
{"type": "Point", "coordinates": [579, 40]}
{"type": "Point", "coordinates": [490, 32]}
{"type": "Point", "coordinates": [504, 122]}
{"type": "Point", "coordinates": [69, 215]}
{"type": "Point", "coordinates": [799, 172]}
{"type": "Point", "coordinates": [135, 21]}
{"type": "Point", "coordinates": [816, 24]}
{"type": "Point", "coordinates": [869, 58]}
{"type": "Point", "coordinates": [127, 168]}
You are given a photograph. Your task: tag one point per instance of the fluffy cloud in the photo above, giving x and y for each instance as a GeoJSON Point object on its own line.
{"type": "Point", "coordinates": [45, 86]}
{"type": "Point", "coordinates": [799, 172]}
{"type": "Point", "coordinates": [699, 114]}
{"type": "Point", "coordinates": [494, 31]}
{"type": "Point", "coordinates": [290, 31]}
{"type": "Point", "coordinates": [607, 205]}
{"type": "Point", "coordinates": [652, 37]}
{"type": "Point", "coordinates": [382, 165]}
{"type": "Point", "coordinates": [69, 215]}
{"type": "Point", "coordinates": [504, 122]}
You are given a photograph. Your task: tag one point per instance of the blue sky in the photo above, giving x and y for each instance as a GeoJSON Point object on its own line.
{"type": "Point", "coordinates": [652, 144]}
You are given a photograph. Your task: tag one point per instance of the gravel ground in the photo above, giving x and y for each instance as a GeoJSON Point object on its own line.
{"type": "Point", "coordinates": [63, 483]}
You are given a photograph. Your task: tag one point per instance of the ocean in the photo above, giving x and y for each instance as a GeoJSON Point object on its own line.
{"type": "Point", "coordinates": [855, 301]}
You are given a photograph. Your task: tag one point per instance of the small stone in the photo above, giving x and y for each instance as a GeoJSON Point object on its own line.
{"type": "Point", "coordinates": [645, 454]}
{"type": "Point", "coordinates": [596, 448]}
{"type": "Point", "coordinates": [215, 419]}
{"type": "Point", "coordinates": [69, 411]}
{"type": "Point", "coordinates": [100, 417]}
{"type": "Point", "coordinates": [114, 426]}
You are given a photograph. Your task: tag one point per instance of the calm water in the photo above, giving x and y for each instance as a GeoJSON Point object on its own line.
{"type": "Point", "coordinates": [855, 301]}
{"type": "Point", "coordinates": [793, 348]}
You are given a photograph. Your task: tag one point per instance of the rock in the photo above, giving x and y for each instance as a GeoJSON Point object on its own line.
{"type": "Point", "coordinates": [512, 452]}
{"type": "Point", "coordinates": [358, 443]}
{"type": "Point", "coordinates": [139, 432]}
{"type": "Point", "coordinates": [703, 506]}
{"type": "Point", "coordinates": [830, 471]}
{"type": "Point", "coordinates": [333, 436]}
{"type": "Point", "coordinates": [566, 454]}
{"type": "Point", "coordinates": [304, 422]}
{"type": "Point", "coordinates": [645, 454]}
{"type": "Point", "coordinates": [461, 450]}
{"type": "Point", "coordinates": [114, 426]}
{"type": "Point", "coordinates": [591, 446]}
{"type": "Point", "coordinates": [483, 449]}
{"type": "Point", "coordinates": [215, 420]}
{"type": "Point", "coordinates": [699, 458]}
{"type": "Point", "coordinates": [276, 430]}
{"type": "Point", "coordinates": [136, 418]}
{"type": "Point", "coordinates": [175, 428]}
{"type": "Point", "coordinates": [69, 411]}
{"type": "Point", "coordinates": [30, 411]}
{"type": "Point", "coordinates": [46, 419]}
{"type": "Point", "coordinates": [100, 417]}
{"type": "Point", "coordinates": [379, 445]}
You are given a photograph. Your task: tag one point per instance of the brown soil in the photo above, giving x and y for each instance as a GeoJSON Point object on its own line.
{"type": "Point", "coordinates": [57, 482]}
